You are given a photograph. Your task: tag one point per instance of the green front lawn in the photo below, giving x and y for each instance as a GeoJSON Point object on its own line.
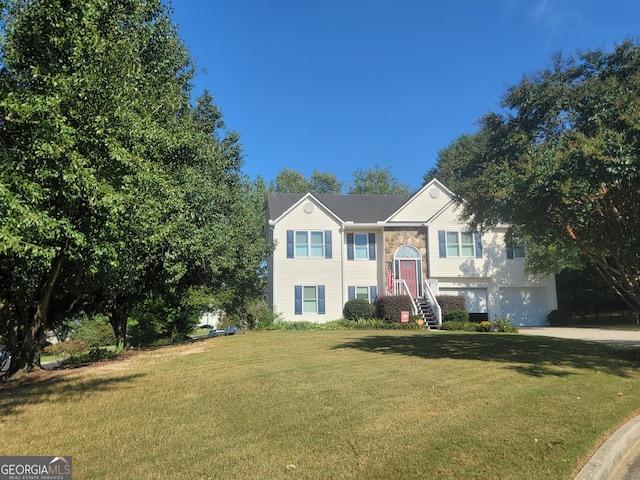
{"type": "Point", "coordinates": [332, 404]}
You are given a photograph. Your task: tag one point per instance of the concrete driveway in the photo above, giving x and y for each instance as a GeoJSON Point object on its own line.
{"type": "Point", "coordinates": [593, 334]}
{"type": "Point", "coordinates": [619, 457]}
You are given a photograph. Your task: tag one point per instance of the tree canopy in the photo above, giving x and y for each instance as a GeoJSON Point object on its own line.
{"type": "Point", "coordinates": [292, 181]}
{"type": "Point", "coordinates": [451, 161]}
{"type": "Point", "coordinates": [372, 181]}
{"type": "Point", "coordinates": [561, 164]}
{"type": "Point", "coordinates": [114, 188]}
{"type": "Point", "coordinates": [377, 181]}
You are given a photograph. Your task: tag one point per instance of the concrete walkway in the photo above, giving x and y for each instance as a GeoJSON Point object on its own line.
{"type": "Point", "coordinates": [619, 457]}
{"type": "Point", "coordinates": [605, 335]}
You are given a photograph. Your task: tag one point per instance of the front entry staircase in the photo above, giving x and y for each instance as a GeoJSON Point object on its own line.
{"type": "Point", "coordinates": [426, 312]}
{"type": "Point", "coordinates": [427, 306]}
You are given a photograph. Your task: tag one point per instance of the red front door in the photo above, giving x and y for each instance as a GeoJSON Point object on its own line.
{"type": "Point", "coordinates": [408, 273]}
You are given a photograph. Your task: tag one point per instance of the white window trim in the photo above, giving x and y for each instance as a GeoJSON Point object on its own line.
{"type": "Point", "coordinates": [309, 244]}
{"type": "Point", "coordinates": [460, 244]}
{"type": "Point", "coordinates": [519, 245]}
{"type": "Point", "coordinates": [356, 246]}
{"type": "Point", "coordinates": [315, 289]}
{"type": "Point", "coordinates": [368, 290]}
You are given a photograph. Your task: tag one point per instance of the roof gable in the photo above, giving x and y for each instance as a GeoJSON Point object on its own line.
{"type": "Point", "coordinates": [423, 206]}
{"type": "Point", "coordinates": [280, 204]}
{"type": "Point", "coordinates": [348, 208]}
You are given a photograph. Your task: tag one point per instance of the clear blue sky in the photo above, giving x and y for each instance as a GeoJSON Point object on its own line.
{"type": "Point", "coordinates": [342, 85]}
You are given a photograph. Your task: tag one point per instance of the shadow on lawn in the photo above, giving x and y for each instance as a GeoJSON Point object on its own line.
{"type": "Point", "coordinates": [62, 389]}
{"type": "Point", "coordinates": [538, 356]}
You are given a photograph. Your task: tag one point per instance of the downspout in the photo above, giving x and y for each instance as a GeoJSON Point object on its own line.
{"type": "Point", "coordinates": [342, 255]}
{"type": "Point", "coordinates": [427, 256]}
{"type": "Point", "coordinates": [271, 263]}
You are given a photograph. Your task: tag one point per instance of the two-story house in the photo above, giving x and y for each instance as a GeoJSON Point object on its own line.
{"type": "Point", "coordinates": [332, 248]}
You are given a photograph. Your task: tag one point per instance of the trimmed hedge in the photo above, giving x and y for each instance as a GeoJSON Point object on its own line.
{"type": "Point", "coordinates": [557, 318]}
{"type": "Point", "coordinates": [502, 325]}
{"type": "Point", "coordinates": [458, 326]}
{"type": "Point", "coordinates": [388, 307]}
{"type": "Point", "coordinates": [342, 324]}
{"type": "Point", "coordinates": [369, 324]}
{"type": "Point", "coordinates": [357, 309]}
{"type": "Point", "coordinates": [448, 303]}
{"type": "Point", "coordinates": [456, 316]}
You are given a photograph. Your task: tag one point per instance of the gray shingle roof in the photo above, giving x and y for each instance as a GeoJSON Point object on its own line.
{"type": "Point", "coordinates": [355, 208]}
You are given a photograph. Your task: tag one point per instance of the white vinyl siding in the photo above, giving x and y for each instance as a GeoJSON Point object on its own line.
{"type": "Point", "coordinates": [364, 273]}
{"type": "Point", "coordinates": [423, 206]}
{"type": "Point", "coordinates": [287, 272]}
{"type": "Point", "coordinates": [480, 263]}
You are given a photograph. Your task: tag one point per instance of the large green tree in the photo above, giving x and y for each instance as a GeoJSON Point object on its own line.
{"type": "Point", "coordinates": [377, 181]}
{"type": "Point", "coordinates": [114, 188]}
{"type": "Point", "coordinates": [451, 160]}
{"type": "Point", "coordinates": [292, 181]}
{"type": "Point", "coordinates": [561, 164]}
{"type": "Point", "coordinates": [322, 182]}
{"type": "Point", "coordinates": [78, 81]}
{"type": "Point", "coordinates": [372, 181]}
{"type": "Point", "coordinates": [180, 226]}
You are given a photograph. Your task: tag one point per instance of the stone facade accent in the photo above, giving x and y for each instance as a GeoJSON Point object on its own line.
{"type": "Point", "coordinates": [396, 237]}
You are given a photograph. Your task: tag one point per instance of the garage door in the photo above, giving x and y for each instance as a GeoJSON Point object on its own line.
{"type": "Point", "coordinates": [476, 297]}
{"type": "Point", "coordinates": [524, 306]}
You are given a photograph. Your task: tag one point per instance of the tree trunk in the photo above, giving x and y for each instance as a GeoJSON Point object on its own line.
{"type": "Point", "coordinates": [618, 270]}
{"type": "Point", "coordinates": [118, 320]}
{"type": "Point", "coordinates": [26, 332]}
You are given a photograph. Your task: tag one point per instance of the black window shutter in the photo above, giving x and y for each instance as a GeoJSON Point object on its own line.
{"type": "Point", "coordinates": [289, 243]}
{"type": "Point", "coordinates": [298, 299]}
{"type": "Point", "coordinates": [442, 244]}
{"type": "Point", "coordinates": [372, 246]}
{"type": "Point", "coordinates": [328, 250]}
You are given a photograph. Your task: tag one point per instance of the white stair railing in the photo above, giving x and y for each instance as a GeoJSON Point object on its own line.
{"type": "Point", "coordinates": [437, 311]}
{"type": "Point", "coordinates": [400, 288]}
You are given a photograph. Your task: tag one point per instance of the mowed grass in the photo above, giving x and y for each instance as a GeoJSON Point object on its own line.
{"type": "Point", "coordinates": [332, 405]}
